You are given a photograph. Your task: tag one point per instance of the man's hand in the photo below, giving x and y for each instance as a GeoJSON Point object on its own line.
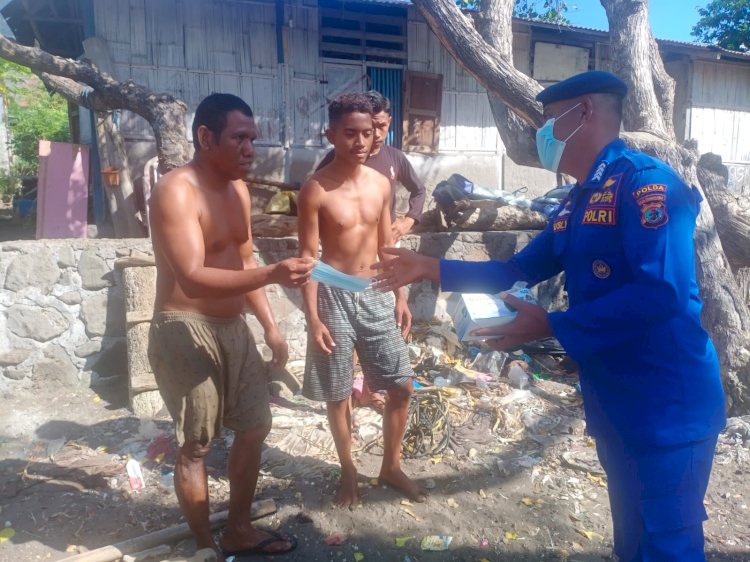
{"type": "Point", "coordinates": [403, 316]}
{"type": "Point", "coordinates": [400, 227]}
{"type": "Point", "coordinates": [279, 349]}
{"type": "Point", "coordinates": [405, 268]}
{"type": "Point", "coordinates": [531, 323]}
{"type": "Point", "coordinates": [321, 336]}
{"type": "Point", "coordinates": [293, 272]}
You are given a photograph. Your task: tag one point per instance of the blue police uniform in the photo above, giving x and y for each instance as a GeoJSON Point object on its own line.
{"type": "Point", "coordinates": [649, 373]}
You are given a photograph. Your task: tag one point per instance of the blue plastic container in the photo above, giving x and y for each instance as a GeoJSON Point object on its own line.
{"type": "Point", "coordinates": [24, 207]}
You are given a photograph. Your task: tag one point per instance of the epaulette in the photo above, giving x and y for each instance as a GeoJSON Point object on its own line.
{"type": "Point", "coordinates": [641, 161]}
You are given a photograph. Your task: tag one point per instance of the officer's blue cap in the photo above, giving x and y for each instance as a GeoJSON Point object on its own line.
{"type": "Point", "coordinates": [592, 82]}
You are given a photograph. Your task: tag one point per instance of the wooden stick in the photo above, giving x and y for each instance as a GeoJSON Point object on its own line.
{"type": "Point", "coordinates": [110, 553]}
{"type": "Point", "coordinates": [272, 183]}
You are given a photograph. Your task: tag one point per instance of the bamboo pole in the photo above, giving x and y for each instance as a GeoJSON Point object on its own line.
{"type": "Point", "coordinates": [110, 553]}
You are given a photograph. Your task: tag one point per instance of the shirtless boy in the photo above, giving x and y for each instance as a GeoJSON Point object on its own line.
{"type": "Point", "coordinates": [346, 207]}
{"type": "Point", "coordinates": [202, 353]}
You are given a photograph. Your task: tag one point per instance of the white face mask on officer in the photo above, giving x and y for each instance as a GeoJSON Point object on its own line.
{"type": "Point", "coordinates": [549, 148]}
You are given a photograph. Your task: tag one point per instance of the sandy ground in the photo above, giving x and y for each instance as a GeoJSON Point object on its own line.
{"type": "Point", "coordinates": [519, 481]}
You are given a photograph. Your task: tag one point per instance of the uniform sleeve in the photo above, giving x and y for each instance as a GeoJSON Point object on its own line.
{"type": "Point", "coordinates": [327, 159]}
{"type": "Point", "coordinates": [658, 220]}
{"type": "Point", "coordinates": [535, 263]}
{"type": "Point", "coordinates": [417, 192]}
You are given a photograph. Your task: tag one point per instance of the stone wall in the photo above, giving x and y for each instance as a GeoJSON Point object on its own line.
{"type": "Point", "coordinates": [63, 305]}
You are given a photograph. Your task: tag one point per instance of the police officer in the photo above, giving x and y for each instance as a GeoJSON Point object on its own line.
{"type": "Point", "coordinates": [649, 372]}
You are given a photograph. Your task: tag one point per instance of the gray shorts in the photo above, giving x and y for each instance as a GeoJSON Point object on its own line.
{"type": "Point", "coordinates": [209, 372]}
{"type": "Point", "coordinates": [364, 322]}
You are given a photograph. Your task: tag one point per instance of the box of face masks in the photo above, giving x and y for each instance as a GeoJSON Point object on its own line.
{"type": "Point", "coordinates": [471, 311]}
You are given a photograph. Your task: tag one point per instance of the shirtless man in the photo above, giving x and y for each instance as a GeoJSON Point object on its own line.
{"type": "Point", "coordinates": [202, 353]}
{"type": "Point", "coordinates": [346, 207]}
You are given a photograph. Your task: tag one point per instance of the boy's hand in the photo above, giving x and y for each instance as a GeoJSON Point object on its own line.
{"type": "Point", "coordinates": [403, 317]}
{"type": "Point", "coordinates": [293, 272]}
{"type": "Point", "coordinates": [322, 336]}
{"type": "Point", "coordinates": [400, 227]}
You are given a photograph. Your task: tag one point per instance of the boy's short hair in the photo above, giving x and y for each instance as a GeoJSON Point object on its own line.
{"type": "Point", "coordinates": [212, 113]}
{"type": "Point", "coordinates": [348, 103]}
{"type": "Point", "coordinates": [379, 102]}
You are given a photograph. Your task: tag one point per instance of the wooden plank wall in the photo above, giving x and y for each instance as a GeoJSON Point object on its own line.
{"type": "Point", "coordinates": [193, 48]}
{"type": "Point", "coordinates": [720, 109]}
{"type": "Point", "coordinates": [466, 118]}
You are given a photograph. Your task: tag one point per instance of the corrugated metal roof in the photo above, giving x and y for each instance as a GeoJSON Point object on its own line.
{"type": "Point", "coordinates": [688, 44]}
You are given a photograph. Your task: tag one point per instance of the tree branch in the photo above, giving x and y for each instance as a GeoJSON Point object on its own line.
{"type": "Point", "coordinates": [165, 113]}
{"type": "Point", "coordinates": [486, 64]}
{"type": "Point", "coordinates": [494, 22]}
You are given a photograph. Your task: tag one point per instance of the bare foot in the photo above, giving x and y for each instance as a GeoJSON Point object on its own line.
{"type": "Point", "coordinates": [250, 538]}
{"type": "Point", "coordinates": [401, 482]}
{"type": "Point", "coordinates": [348, 494]}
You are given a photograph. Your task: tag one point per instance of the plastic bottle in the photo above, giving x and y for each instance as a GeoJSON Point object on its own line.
{"type": "Point", "coordinates": [518, 376]}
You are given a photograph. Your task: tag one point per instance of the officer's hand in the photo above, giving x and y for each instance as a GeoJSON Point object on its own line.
{"type": "Point", "coordinates": [293, 272]}
{"type": "Point", "coordinates": [531, 323]}
{"type": "Point", "coordinates": [403, 268]}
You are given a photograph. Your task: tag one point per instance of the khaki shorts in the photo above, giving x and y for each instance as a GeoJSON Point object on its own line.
{"type": "Point", "coordinates": [209, 372]}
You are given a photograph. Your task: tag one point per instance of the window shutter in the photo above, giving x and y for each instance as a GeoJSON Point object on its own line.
{"type": "Point", "coordinates": [422, 101]}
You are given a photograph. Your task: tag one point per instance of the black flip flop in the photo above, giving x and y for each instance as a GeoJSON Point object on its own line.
{"type": "Point", "coordinates": [259, 549]}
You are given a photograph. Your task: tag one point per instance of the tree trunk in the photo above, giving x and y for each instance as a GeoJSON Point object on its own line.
{"type": "Point", "coordinates": [638, 62]}
{"type": "Point", "coordinates": [648, 114]}
{"type": "Point", "coordinates": [732, 213]}
{"type": "Point", "coordinates": [743, 280]}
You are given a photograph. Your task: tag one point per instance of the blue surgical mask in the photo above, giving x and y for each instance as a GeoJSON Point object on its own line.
{"type": "Point", "coordinates": [549, 148]}
{"type": "Point", "coordinates": [324, 273]}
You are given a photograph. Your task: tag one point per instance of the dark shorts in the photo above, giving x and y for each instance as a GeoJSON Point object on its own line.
{"type": "Point", "coordinates": [209, 372]}
{"type": "Point", "coordinates": [364, 322]}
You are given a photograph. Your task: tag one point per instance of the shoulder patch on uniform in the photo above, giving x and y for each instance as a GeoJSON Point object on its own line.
{"type": "Point", "coordinates": [653, 214]}
{"type": "Point", "coordinates": [602, 204]}
{"type": "Point", "coordinates": [650, 189]}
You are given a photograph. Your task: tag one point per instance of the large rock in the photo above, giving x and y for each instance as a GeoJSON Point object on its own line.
{"type": "Point", "coordinates": [15, 374]}
{"type": "Point", "coordinates": [88, 348]}
{"type": "Point", "coordinates": [57, 367]}
{"type": "Point", "coordinates": [37, 270]}
{"type": "Point", "coordinates": [14, 357]}
{"type": "Point", "coordinates": [65, 257]}
{"type": "Point", "coordinates": [94, 271]}
{"type": "Point", "coordinates": [102, 314]}
{"type": "Point", "coordinates": [39, 324]}
{"type": "Point", "coordinates": [71, 298]}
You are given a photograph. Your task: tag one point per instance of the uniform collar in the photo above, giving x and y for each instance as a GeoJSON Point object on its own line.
{"type": "Point", "coordinates": [604, 159]}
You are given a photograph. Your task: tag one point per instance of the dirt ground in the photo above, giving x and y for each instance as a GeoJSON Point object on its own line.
{"type": "Point", "coordinates": [519, 480]}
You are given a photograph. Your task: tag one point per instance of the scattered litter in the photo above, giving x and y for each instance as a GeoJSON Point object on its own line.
{"type": "Point", "coordinates": [517, 375]}
{"type": "Point", "coordinates": [436, 542]}
{"type": "Point", "coordinates": [7, 534]}
{"type": "Point", "coordinates": [335, 539]}
{"type": "Point", "coordinates": [410, 513]}
{"type": "Point", "coordinates": [403, 541]}
{"type": "Point", "coordinates": [135, 475]}
{"type": "Point", "coordinates": [452, 503]}
{"type": "Point", "coordinates": [358, 557]}
{"type": "Point", "coordinates": [590, 535]}
{"type": "Point", "coordinates": [510, 536]}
